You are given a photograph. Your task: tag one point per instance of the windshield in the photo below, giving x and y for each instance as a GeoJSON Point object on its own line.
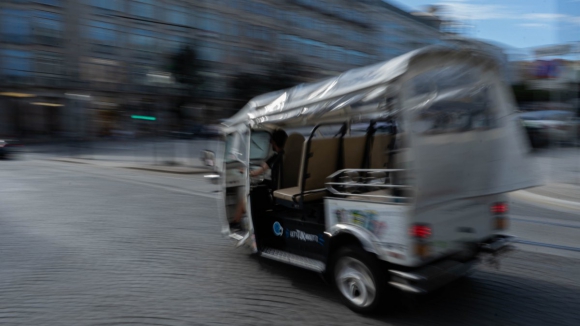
{"type": "Point", "coordinates": [259, 145]}
{"type": "Point", "coordinates": [229, 144]}
{"type": "Point", "coordinates": [235, 147]}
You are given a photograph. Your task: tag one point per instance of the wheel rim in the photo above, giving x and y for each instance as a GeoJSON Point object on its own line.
{"type": "Point", "coordinates": [354, 280]}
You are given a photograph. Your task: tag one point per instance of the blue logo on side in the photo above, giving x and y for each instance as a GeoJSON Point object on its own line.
{"type": "Point", "coordinates": [278, 229]}
{"type": "Point", "coordinates": [321, 240]}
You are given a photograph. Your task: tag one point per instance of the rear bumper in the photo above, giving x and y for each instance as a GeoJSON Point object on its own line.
{"type": "Point", "coordinates": [497, 244]}
{"type": "Point", "coordinates": [428, 278]}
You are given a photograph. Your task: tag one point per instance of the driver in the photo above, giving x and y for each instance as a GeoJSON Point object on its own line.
{"type": "Point", "coordinates": [277, 140]}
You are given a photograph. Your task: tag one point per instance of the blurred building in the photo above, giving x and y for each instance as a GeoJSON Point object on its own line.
{"type": "Point", "coordinates": [93, 63]}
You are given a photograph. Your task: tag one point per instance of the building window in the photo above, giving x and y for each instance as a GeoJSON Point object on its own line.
{"type": "Point", "coordinates": [103, 36]}
{"type": "Point", "coordinates": [258, 8]}
{"type": "Point", "coordinates": [210, 23]}
{"type": "Point", "coordinates": [102, 71]}
{"type": "Point", "coordinates": [107, 4]}
{"type": "Point", "coordinates": [15, 26]}
{"type": "Point", "coordinates": [48, 28]}
{"type": "Point", "coordinates": [15, 63]}
{"type": "Point", "coordinates": [142, 8]}
{"type": "Point", "coordinates": [173, 44]}
{"type": "Point", "coordinates": [231, 28]}
{"type": "Point", "coordinates": [56, 3]}
{"type": "Point", "coordinates": [143, 40]}
{"type": "Point", "coordinates": [139, 74]}
{"type": "Point", "coordinates": [211, 52]}
{"type": "Point", "coordinates": [259, 33]}
{"type": "Point", "coordinates": [176, 15]}
{"type": "Point", "coordinates": [49, 63]}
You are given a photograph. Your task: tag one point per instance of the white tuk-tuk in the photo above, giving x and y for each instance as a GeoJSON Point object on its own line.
{"type": "Point", "coordinates": [394, 176]}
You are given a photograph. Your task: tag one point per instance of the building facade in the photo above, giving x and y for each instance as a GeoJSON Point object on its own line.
{"type": "Point", "coordinates": [98, 60]}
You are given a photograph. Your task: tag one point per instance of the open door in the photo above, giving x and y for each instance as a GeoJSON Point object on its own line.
{"type": "Point", "coordinates": [231, 162]}
{"type": "Point", "coordinates": [242, 151]}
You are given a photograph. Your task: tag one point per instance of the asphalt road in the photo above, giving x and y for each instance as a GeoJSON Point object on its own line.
{"type": "Point", "coordinates": [90, 245]}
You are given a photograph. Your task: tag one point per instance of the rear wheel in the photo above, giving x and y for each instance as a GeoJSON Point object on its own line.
{"type": "Point", "coordinates": [357, 279]}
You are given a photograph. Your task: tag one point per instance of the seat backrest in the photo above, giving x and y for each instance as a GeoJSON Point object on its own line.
{"type": "Point", "coordinates": [380, 151]}
{"type": "Point", "coordinates": [293, 151]}
{"type": "Point", "coordinates": [354, 151]}
{"type": "Point", "coordinates": [322, 162]}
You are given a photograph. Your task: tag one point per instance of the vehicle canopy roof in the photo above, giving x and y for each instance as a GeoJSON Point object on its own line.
{"type": "Point", "coordinates": [458, 119]}
{"type": "Point", "coordinates": [352, 93]}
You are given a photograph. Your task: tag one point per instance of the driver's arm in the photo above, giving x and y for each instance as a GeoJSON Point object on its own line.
{"type": "Point", "coordinates": [259, 171]}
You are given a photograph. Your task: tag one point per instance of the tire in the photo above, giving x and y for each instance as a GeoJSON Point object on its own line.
{"type": "Point", "coordinates": [357, 279]}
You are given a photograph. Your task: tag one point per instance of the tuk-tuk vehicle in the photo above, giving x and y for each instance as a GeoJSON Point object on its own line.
{"type": "Point", "coordinates": [409, 202]}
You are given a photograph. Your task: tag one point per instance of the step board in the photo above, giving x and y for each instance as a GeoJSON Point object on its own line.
{"type": "Point", "coordinates": [293, 259]}
{"type": "Point", "coordinates": [236, 236]}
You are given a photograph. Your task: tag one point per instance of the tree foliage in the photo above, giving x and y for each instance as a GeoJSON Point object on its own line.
{"type": "Point", "coordinates": [186, 68]}
{"type": "Point", "coordinates": [282, 74]}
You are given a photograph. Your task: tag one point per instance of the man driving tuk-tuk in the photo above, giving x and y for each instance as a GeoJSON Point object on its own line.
{"type": "Point", "coordinates": [273, 163]}
{"type": "Point", "coordinates": [374, 218]}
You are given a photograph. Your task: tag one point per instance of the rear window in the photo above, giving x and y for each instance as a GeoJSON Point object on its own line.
{"type": "Point", "coordinates": [443, 79]}
{"type": "Point", "coordinates": [472, 111]}
{"type": "Point", "coordinates": [547, 115]}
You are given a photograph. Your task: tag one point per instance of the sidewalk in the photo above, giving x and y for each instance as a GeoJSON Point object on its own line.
{"type": "Point", "coordinates": [145, 167]}
{"type": "Point", "coordinates": [554, 195]}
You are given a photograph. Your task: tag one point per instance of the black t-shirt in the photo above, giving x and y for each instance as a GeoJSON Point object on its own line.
{"type": "Point", "coordinates": [274, 162]}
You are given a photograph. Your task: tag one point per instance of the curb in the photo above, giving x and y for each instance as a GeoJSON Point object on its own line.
{"type": "Point", "coordinates": [543, 201]}
{"type": "Point", "coordinates": [141, 168]}
{"type": "Point", "coordinates": [152, 169]}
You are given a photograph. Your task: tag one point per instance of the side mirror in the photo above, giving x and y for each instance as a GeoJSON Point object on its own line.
{"type": "Point", "coordinates": [208, 158]}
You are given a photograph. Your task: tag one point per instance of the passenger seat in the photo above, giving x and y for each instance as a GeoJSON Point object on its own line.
{"type": "Point", "coordinates": [354, 151]}
{"type": "Point", "coordinates": [317, 164]}
{"type": "Point", "coordinates": [380, 151]}
{"type": "Point", "coordinates": [379, 159]}
{"type": "Point", "coordinates": [292, 161]}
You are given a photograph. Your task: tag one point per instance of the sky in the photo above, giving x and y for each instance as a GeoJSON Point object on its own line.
{"type": "Point", "coordinates": [516, 23]}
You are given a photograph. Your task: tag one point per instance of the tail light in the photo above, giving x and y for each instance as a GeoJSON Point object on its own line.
{"type": "Point", "coordinates": [422, 249]}
{"type": "Point", "coordinates": [500, 223]}
{"type": "Point", "coordinates": [499, 208]}
{"type": "Point", "coordinates": [420, 231]}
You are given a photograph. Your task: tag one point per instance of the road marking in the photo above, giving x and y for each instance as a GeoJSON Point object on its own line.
{"type": "Point", "coordinates": [525, 220]}
{"type": "Point", "coordinates": [547, 245]}
{"type": "Point", "coordinates": [543, 201]}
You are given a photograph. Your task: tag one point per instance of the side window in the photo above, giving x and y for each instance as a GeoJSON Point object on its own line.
{"type": "Point", "coordinates": [451, 115]}
{"type": "Point", "coordinates": [237, 146]}
{"type": "Point", "coordinates": [259, 145]}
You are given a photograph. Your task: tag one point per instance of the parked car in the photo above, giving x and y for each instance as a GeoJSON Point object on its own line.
{"type": "Point", "coordinates": [7, 148]}
{"type": "Point", "coordinates": [197, 131]}
{"type": "Point", "coordinates": [549, 127]}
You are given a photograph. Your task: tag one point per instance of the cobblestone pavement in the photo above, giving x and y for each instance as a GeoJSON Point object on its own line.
{"type": "Point", "coordinates": [81, 245]}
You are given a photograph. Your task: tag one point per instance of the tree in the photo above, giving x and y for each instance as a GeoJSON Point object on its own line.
{"type": "Point", "coordinates": [186, 69]}
{"type": "Point", "coordinates": [284, 73]}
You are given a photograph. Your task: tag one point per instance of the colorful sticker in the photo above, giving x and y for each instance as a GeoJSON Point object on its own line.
{"type": "Point", "coordinates": [367, 219]}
